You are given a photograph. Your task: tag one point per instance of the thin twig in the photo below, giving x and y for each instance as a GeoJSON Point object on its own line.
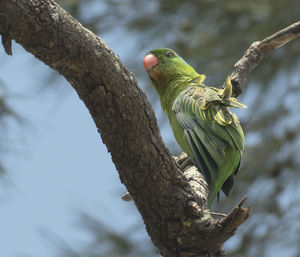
{"type": "Point", "coordinates": [257, 52]}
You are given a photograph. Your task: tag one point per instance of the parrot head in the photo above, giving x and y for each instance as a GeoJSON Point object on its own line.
{"type": "Point", "coordinates": [164, 65]}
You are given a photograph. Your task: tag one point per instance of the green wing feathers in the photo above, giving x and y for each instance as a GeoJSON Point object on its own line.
{"type": "Point", "coordinates": [213, 133]}
{"type": "Point", "coordinates": [200, 117]}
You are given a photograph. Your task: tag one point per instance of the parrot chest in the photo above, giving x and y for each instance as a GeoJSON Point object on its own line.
{"type": "Point", "coordinates": [179, 134]}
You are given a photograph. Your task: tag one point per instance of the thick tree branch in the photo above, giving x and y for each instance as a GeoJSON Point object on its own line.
{"type": "Point", "coordinates": [171, 202]}
{"type": "Point", "coordinates": [257, 52]}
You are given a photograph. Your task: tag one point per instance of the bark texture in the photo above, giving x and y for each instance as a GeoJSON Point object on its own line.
{"type": "Point", "coordinates": [171, 202]}
{"type": "Point", "coordinates": [256, 52]}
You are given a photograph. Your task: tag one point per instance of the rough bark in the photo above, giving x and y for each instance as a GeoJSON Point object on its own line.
{"type": "Point", "coordinates": [171, 202]}
{"type": "Point", "coordinates": [257, 51]}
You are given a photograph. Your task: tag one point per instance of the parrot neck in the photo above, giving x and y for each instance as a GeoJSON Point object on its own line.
{"type": "Point", "coordinates": [169, 92]}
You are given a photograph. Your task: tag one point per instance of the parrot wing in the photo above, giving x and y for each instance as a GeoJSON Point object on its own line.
{"type": "Point", "coordinates": [212, 132]}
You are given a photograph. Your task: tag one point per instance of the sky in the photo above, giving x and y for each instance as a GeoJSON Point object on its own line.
{"type": "Point", "coordinates": [57, 167]}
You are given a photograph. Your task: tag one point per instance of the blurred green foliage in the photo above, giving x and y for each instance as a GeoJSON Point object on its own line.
{"type": "Point", "coordinates": [212, 35]}
{"type": "Point", "coordinates": [106, 241]}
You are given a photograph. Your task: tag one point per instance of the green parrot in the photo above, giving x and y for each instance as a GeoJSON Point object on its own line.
{"type": "Point", "coordinates": [200, 118]}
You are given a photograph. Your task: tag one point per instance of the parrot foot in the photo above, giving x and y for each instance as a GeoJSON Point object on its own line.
{"type": "Point", "coordinates": [183, 160]}
{"type": "Point", "coordinates": [187, 162]}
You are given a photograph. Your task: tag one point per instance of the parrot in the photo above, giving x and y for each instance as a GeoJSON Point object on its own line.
{"type": "Point", "coordinates": [203, 126]}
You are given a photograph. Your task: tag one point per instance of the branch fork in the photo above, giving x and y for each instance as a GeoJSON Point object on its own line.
{"type": "Point", "coordinates": [172, 202]}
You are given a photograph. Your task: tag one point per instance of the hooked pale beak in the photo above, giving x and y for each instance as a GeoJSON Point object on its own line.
{"type": "Point", "coordinates": [150, 62]}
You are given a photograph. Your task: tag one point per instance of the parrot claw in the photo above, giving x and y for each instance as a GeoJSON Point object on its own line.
{"type": "Point", "coordinates": [183, 160]}
{"type": "Point", "coordinates": [187, 162]}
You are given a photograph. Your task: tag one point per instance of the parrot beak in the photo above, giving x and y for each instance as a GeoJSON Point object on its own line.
{"type": "Point", "coordinates": [151, 65]}
{"type": "Point", "coordinates": [150, 62]}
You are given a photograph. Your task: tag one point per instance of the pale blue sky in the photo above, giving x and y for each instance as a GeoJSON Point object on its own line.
{"type": "Point", "coordinates": [59, 167]}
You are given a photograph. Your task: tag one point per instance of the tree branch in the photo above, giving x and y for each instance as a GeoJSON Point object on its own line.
{"type": "Point", "coordinates": [257, 52]}
{"type": "Point", "coordinates": [172, 202]}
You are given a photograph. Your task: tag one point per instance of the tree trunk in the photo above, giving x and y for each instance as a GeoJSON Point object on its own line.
{"type": "Point", "coordinates": [172, 202]}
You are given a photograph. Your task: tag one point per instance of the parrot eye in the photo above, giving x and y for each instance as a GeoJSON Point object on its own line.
{"type": "Point", "coordinates": [169, 54]}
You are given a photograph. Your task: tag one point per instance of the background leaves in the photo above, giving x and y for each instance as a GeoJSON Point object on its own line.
{"type": "Point", "coordinates": [212, 35]}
